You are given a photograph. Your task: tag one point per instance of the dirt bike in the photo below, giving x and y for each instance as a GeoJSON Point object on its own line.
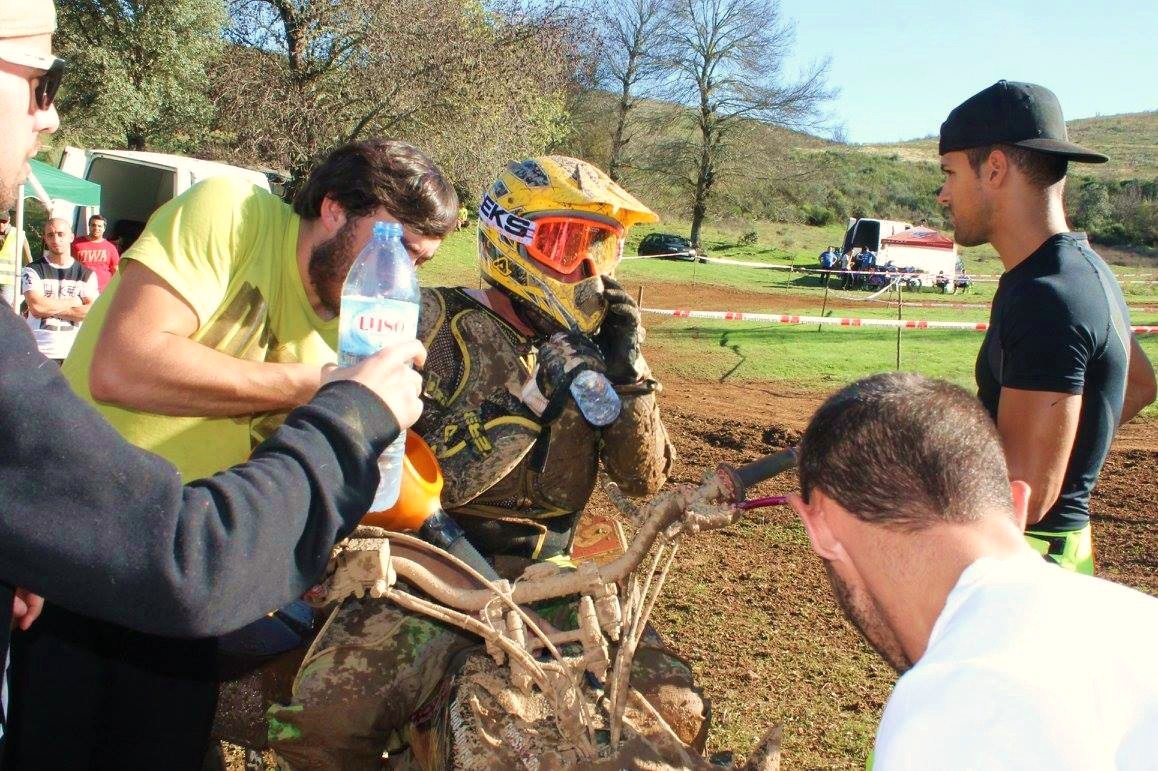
{"type": "Point", "coordinates": [543, 697]}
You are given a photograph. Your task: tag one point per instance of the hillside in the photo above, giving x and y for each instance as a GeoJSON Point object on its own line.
{"type": "Point", "coordinates": [1129, 140]}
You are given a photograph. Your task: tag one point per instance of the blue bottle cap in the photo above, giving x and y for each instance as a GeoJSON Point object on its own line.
{"type": "Point", "coordinates": [387, 229]}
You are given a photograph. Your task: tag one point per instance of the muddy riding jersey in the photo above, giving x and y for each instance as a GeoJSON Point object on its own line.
{"type": "Point", "coordinates": [1059, 323]}
{"type": "Point", "coordinates": [515, 485]}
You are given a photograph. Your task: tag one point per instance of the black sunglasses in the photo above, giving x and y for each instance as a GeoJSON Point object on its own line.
{"type": "Point", "coordinates": [47, 83]}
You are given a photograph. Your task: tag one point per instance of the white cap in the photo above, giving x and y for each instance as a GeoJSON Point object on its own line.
{"type": "Point", "coordinates": [21, 18]}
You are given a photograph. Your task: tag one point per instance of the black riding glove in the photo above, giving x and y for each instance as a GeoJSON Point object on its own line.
{"type": "Point", "coordinates": [620, 336]}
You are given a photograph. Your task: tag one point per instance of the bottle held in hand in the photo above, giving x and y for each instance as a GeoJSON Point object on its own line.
{"type": "Point", "coordinates": [380, 302]}
{"type": "Point", "coordinates": [596, 398]}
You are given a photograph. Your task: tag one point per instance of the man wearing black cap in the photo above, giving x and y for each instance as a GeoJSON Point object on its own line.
{"type": "Point", "coordinates": [1059, 369]}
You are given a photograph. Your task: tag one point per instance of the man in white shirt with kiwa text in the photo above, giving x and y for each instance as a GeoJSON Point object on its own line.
{"type": "Point", "coordinates": [997, 671]}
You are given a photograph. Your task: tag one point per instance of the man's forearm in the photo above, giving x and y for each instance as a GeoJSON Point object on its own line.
{"type": "Point", "coordinates": [51, 307]}
{"type": "Point", "coordinates": [637, 454]}
{"type": "Point", "coordinates": [1037, 431]}
{"type": "Point", "coordinates": [178, 376]}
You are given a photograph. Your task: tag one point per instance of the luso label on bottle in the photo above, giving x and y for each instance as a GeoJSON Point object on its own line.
{"type": "Point", "coordinates": [370, 324]}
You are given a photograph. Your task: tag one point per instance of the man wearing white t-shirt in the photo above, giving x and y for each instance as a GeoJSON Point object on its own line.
{"type": "Point", "coordinates": [58, 291]}
{"type": "Point", "coordinates": [1006, 661]}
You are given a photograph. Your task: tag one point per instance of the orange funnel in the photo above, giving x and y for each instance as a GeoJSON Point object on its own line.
{"type": "Point", "coordinates": [421, 489]}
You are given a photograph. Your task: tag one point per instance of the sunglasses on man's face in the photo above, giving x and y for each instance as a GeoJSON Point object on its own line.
{"type": "Point", "coordinates": [46, 83]}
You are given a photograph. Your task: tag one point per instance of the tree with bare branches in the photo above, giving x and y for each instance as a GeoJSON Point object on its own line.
{"type": "Point", "coordinates": [728, 66]}
{"type": "Point", "coordinates": [631, 64]}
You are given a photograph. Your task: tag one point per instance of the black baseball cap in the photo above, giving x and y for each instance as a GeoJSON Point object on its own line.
{"type": "Point", "coordinates": [1022, 114]}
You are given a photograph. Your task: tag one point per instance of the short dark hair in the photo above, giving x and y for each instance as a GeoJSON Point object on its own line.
{"type": "Point", "coordinates": [97, 217]}
{"type": "Point", "coordinates": [905, 451]}
{"type": "Point", "coordinates": [362, 176]}
{"type": "Point", "coordinates": [1042, 169]}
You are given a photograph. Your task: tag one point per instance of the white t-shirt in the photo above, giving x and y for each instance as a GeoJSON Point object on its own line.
{"type": "Point", "coordinates": [54, 337]}
{"type": "Point", "coordinates": [1030, 667]}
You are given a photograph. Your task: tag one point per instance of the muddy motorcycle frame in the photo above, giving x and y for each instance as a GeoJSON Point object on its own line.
{"type": "Point", "coordinates": [615, 601]}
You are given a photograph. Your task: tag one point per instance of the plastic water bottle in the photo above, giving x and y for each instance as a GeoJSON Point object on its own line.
{"type": "Point", "coordinates": [380, 302]}
{"type": "Point", "coordinates": [596, 398]}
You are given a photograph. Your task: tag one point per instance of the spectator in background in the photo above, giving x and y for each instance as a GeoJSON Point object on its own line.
{"type": "Point", "coordinates": [828, 258]}
{"type": "Point", "coordinates": [8, 241]}
{"type": "Point", "coordinates": [845, 266]}
{"type": "Point", "coordinates": [58, 291]}
{"type": "Point", "coordinates": [9, 263]}
{"type": "Point", "coordinates": [96, 252]}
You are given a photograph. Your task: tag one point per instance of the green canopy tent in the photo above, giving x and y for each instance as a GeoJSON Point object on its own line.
{"type": "Point", "coordinates": [49, 185]}
{"type": "Point", "coordinates": [59, 185]}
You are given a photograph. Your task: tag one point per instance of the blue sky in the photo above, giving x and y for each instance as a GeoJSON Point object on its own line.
{"type": "Point", "coordinates": [901, 65]}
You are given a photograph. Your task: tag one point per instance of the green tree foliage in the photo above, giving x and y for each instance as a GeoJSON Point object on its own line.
{"type": "Point", "coordinates": [137, 71]}
{"type": "Point", "coordinates": [475, 86]}
{"type": "Point", "coordinates": [1118, 212]}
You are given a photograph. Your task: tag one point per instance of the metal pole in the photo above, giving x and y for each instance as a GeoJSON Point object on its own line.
{"type": "Point", "coordinates": [824, 304]}
{"type": "Point", "coordinates": [899, 327]}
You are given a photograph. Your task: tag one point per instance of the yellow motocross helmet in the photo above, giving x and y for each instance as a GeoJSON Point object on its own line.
{"type": "Point", "coordinates": [548, 228]}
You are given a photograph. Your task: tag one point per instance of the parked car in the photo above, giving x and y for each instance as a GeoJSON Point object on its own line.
{"type": "Point", "coordinates": [669, 246]}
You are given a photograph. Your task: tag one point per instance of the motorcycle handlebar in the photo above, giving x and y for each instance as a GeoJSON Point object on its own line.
{"type": "Point", "coordinates": [727, 485]}
{"type": "Point", "coordinates": [762, 469]}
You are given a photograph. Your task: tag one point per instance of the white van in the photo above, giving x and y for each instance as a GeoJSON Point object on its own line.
{"type": "Point", "coordinates": [134, 184]}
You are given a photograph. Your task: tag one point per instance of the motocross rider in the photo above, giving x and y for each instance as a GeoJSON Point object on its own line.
{"type": "Point", "coordinates": [519, 459]}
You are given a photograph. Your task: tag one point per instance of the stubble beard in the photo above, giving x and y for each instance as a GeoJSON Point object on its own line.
{"type": "Point", "coordinates": [8, 188]}
{"type": "Point", "coordinates": [974, 231]}
{"type": "Point", "coordinates": [866, 615]}
{"type": "Point", "coordinates": [330, 262]}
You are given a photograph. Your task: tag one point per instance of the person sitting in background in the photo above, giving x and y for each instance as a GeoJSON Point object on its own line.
{"type": "Point", "coordinates": [58, 291]}
{"type": "Point", "coordinates": [96, 252]}
{"type": "Point", "coordinates": [905, 496]}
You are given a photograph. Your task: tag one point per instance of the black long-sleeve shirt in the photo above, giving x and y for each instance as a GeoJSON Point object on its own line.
{"type": "Point", "coordinates": [107, 530]}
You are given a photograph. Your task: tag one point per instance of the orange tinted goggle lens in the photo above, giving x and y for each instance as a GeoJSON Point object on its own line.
{"type": "Point", "coordinates": [564, 244]}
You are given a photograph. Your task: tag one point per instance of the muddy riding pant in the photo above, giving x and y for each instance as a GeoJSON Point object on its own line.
{"type": "Point", "coordinates": [375, 666]}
